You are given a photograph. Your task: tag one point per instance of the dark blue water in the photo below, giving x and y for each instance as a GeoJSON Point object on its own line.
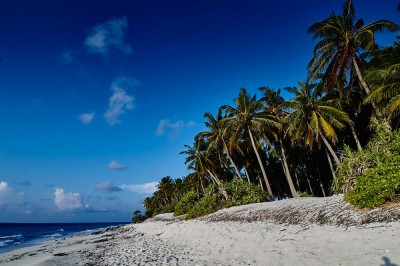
{"type": "Point", "coordinates": [13, 236]}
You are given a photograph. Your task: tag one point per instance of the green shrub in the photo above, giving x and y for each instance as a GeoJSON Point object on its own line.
{"type": "Point", "coordinates": [377, 185]}
{"type": "Point", "coordinates": [305, 195]}
{"type": "Point", "coordinates": [137, 217]}
{"type": "Point", "coordinates": [241, 192]}
{"type": "Point", "coordinates": [186, 203]}
{"type": "Point", "coordinates": [371, 177]}
{"type": "Point", "coordinates": [238, 192]}
{"type": "Point", "coordinates": [208, 204]}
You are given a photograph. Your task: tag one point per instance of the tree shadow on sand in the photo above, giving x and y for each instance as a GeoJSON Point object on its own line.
{"type": "Point", "coordinates": [387, 262]}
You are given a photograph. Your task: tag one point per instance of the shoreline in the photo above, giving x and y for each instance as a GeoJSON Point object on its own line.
{"type": "Point", "coordinates": [40, 241]}
{"type": "Point", "coordinates": [168, 240]}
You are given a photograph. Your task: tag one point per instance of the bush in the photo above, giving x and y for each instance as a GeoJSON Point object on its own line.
{"type": "Point", "coordinates": [371, 177]}
{"type": "Point", "coordinates": [241, 192]}
{"type": "Point", "coordinates": [186, 203]}
{"type": "Point", "coordinates": [377, 185]}
{"type": "Point", "coordinates": [137, 217]}
{"type": "Point", "coordinates": [238, 192]}
{"type": "Point", "coordinates": [208, 204]}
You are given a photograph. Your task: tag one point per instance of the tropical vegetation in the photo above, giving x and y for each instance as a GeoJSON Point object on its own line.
{"type": "Point", "coordinates": [335, 132]}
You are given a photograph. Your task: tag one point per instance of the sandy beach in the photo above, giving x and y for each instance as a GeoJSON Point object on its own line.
{"type": "Point", "coordinates": [236, 236]}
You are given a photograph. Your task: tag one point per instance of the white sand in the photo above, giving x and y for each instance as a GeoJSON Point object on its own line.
{"type": "Point", "coordinates": [208, 242]}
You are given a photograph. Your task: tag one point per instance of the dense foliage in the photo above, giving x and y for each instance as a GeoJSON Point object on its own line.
{"type": "Point", "coordinates": [266, 146]}
{"type": "Point", "coordinates": [372, 176]}
{"type": "Point", "coordinates": [238, 192]}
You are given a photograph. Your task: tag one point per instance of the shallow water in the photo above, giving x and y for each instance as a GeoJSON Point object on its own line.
{"type": "Point", "coordinates": [18, 235]}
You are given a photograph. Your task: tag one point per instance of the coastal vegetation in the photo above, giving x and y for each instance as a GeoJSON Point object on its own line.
{"type": "Point", "coordinates": [335, 132]}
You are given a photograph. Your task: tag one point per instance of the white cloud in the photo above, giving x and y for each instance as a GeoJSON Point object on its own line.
{"type": "Point", "coordinates": [27, 212]}
{"type": "Point", "coordinates": [165, 124]}
{"type": "Point", "coordinates": [114, 165]}
{"type": "Point", "coordinates": [191, 124]}
{"type": "Point", "coordinates": [8, 198]}
{"type": "Point", "coordinates": [4, 186]}
{"type": "Point", "coordinates": [86, 118]}
{"type": "Point", "coordinates": [107, 186]}
{"type": "Point", "coordinates": [5, 192]}
{"type": "Point", "coordinates": [68, 201]}
{"type": "Point", "coordinates": [119, 101]}
{"type": "Point", "coordinates": [108, 35]}
{"type": "Point", "coordinates": [173, 128]}
{"type": "Point", "coordinates": [147, 188]}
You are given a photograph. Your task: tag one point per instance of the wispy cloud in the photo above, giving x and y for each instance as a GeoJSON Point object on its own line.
{"type": "Point", "coordinates": [66, 57]}
{"type": "Point", "coordinates": [147, 188]}
{"type": "Point", "coordinates": [68, 201]}
{"type": "Point", "coordinates": [86, 118]}
{"type": "Point", "coordinates": [173, 128]}
{"type": "Point", "coordinates": [107, 186]}
{"type": "Point", "coordinates": [120, 101]}
{"type": "Point", "coordinates": [108, 35]}
{"type": "Point", "coordinates": [114, 165]}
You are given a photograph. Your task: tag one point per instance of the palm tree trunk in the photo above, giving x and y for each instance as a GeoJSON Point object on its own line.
{"type": "Point", "coordinates": [287, 173]}
{"type": "Point", "coordinates": [230, 159]}
{"type": "Point", "coordinates": [330, 164]}
{"type": "Point", "coordinates": [223, 191]}
{"type": "Point", "coordinates": [201, 184]}
{"type": "Point", "coordinates": [353, 131]}
{"type": "Point", "coordinates": [247, 174]}
{"type": "Point", "coordinates": [320, 183]}
{"type": "Point", "coordinates": [365, 86]}
{"type": "Point", "coordinates": [330, 148]}
{"type": "Point", "coordinates": [309, 185]}
{"type": "Point", "coordinates": [259, 180]}
{"type": "Point", "coordinates": [297, 180]}
{"type": "Point", "coordinates": [213, 177]}
{"type": "Point", "coordinates": [360, 78]}
{"type": "Point", "coordinates": [260, 163]}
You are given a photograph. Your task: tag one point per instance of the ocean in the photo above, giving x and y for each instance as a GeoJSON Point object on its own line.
{"type": "Point", "coordinates": [18, 235]}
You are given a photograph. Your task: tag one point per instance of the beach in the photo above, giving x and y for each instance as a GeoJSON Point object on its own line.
{"type": "Point", "coordinates": [235, 236]}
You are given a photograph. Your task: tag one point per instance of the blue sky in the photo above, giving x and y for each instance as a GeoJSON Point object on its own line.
{"type": "Point", "coordinates": [98, 99]}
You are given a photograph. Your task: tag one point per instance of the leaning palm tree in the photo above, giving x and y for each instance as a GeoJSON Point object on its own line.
{"type": "Point", "coordinates": [247, 119]}
{"type": "Point", "coordinates": [315, 118]}
{"type": "Point", "coordinates": [340, 40]}
{"type": "Point", "coordinates": [275, 106]}
{"type": "Point", "coordinates": [198, 161]}
{"type": "Point", "coordinates": [215, 137]}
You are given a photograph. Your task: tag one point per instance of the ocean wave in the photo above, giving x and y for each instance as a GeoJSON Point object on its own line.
{"type": "Point", "coordinates": [4, 242]}
{"type": "Point", "coordinates": [60, 230]}
{"type": "Point", "coordinates": [11, 236]}
{"type": "Point", "coordinates": [52, 236]}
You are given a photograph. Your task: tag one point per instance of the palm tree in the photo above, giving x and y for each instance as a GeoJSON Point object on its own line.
{"type": "Point", "coordinates": [341, 39]}
{"type": "Point", "coordinates": [274, 105]}
{"type": "Point", "coordinates": [247, 119]}
{"type": "Point", "coordinates": [215, 136]}
{"type": "Point", "coordinates": [315, 118]}
{"type": "Point", "coordinates": [386, 88]}
{"type": "Point", "coordinates": [198, 161]}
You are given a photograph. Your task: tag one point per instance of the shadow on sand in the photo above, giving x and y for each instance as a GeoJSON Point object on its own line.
{"type": "Point", "coordinates": [387, 262]}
